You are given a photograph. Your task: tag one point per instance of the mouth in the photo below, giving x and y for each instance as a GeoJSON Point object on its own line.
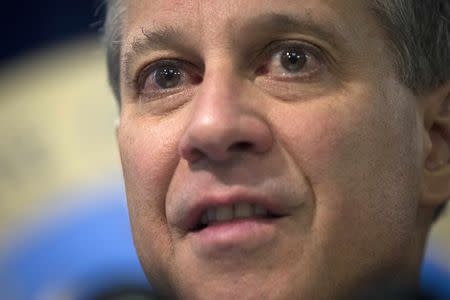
{"type": "Point", "coordinates": [235, 224]}
{"type": "Point", "coordinates": [231, 213]}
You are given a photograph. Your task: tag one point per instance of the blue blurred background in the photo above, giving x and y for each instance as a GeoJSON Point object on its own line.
{"type": "Point", "coordinates": [64, 229]}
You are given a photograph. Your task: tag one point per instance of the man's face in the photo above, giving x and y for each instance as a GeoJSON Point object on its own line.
{"type": "Point", "coordinates": [269, 152]}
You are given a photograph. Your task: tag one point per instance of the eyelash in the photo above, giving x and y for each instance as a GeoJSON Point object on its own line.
{"type": "Point", "coordinates": [274, 48]}
{"type": "Point", "coordinates": [265, 56]}
{"type": "Point", "coordinates": [142, 75]}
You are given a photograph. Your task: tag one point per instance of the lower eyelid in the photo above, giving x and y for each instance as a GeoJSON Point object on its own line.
{"type": "Point", "coordinates": [149, 96]}
{"type": "Point", "coordinates": [158, 93]}
{"type": "Point", "coordinates": [302, 73]}
{"type": "Point", "coordinates": [308, 78]}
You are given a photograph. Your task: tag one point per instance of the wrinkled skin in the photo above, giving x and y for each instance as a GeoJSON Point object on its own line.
{"type": "Point", "coordinates": [340, 143]}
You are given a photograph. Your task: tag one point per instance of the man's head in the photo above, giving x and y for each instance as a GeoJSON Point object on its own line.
{"type": "Point", "coordinates": [321, 128]}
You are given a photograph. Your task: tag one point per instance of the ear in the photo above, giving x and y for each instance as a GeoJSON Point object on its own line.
{"type": "Point", "coordinates": [436, 184]}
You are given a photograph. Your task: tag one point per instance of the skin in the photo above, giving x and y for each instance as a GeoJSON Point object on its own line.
{"type": "Point", "coordinates": [344, 148]}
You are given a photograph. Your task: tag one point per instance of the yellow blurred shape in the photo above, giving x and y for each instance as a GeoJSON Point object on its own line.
{"type": "Point", "coordinates": [56, 127]}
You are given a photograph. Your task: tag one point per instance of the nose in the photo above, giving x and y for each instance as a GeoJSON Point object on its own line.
{"type": "Point", "coordinates": [223, 123]}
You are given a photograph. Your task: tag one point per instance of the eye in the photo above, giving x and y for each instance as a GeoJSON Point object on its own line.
{"type": "Point", "coordinates": [292, 61]}
{"type": "Point", "coordinates": [166, 76]}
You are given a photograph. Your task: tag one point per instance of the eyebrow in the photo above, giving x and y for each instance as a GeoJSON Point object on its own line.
{"type": "Point", "coordinates": [166, 37]}
{"type": "Point", "coordinates": [169, 37]}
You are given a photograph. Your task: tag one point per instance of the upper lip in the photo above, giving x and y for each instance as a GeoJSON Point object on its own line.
{"type": "Point", "coordinates": [194, 213]}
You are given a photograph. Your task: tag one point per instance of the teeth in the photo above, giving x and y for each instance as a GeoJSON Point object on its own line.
{"type": "Point", "coordinates": [243, 210]}
{"type": "Point", "coordinates": [224, 213]}
{"type": "Point", "coordinates": [237, 211]}
{"type": "Point", "coordinates": [204, 219]}
{"type": "Point", "coordinates": [260, 211]}
{"type": "Point", "coordinates": [211, 214]}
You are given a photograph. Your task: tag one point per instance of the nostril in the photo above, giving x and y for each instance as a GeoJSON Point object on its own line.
{"type": "Point", "coordinates": [241, 146]}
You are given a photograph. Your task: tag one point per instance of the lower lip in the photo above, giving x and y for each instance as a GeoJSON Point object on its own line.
{"type": "Point", "coordinates": [235, 237]}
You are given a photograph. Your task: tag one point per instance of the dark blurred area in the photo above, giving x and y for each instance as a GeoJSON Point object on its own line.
{"type": "Point", "coordinates": [29, 25]}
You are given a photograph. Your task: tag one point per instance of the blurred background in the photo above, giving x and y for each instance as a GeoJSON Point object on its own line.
{"type": "Point", "coordinates": [64, 230]}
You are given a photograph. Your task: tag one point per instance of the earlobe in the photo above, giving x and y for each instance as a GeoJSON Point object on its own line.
{"type": "Point", "coordinates": [436, 184]}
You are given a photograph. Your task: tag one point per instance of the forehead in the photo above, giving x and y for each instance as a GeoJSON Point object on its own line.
{"type": "Point", "coordinates": [215, 10]}
{"type": "Point", "coordinates": [205, 19]}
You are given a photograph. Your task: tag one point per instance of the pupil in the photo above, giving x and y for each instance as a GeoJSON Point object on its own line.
{"type": "Point", "coordinates": [168, 77]}
{"type": "Point", "coordinates": [293, 60]}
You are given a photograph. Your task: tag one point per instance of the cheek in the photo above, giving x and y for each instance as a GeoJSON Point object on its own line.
{"type": "Point", "coordinates": [315, 137]}
{"type": "Point", "coordinates": [359, 154]}
{"type": "Point", "coordinates": [145, 156]}
{"type": "Point", "coordinates": [149, 156]}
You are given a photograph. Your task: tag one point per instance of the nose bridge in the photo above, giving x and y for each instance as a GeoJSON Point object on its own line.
{"type": "Point", "coordinates": [218, 100]}
{"type": "Point", "coordinates": [221, 123]}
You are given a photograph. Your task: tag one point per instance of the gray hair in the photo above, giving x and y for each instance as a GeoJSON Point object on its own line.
{"type": "Point", "coordinates": [115, 14]}
{"type": "Point", "coordinates": [418, 32]}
